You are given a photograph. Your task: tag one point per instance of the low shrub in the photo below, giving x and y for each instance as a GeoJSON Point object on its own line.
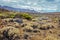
{"type": "Point", "coordinates": [34, 26]}
{"type": "Point", "coordinates": [9, 33]}
{"type": "Point", "coordinates": [49, 37]}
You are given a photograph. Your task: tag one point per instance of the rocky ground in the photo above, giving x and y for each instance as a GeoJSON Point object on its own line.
{"type": "Point", "coordinates": [39, 28]}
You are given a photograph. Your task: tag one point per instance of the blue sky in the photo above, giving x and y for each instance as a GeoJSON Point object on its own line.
{"type": "Point", "coordinates": [37, 5]}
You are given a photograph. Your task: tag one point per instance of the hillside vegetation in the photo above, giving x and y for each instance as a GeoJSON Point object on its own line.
{"type": "Point", "coordinates": [29, 26]}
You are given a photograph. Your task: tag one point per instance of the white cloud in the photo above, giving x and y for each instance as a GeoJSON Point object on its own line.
{"type": "Point", "coordinates": [29, 3]}
{"type": "Point", "coordinates": [36, 8]}
{"type": "Point", "coordinates": [7, 0]}
{"type": "Point", "coordinates": [37, 5]}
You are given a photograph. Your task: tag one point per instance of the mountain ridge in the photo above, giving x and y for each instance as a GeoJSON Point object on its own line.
{"type": "Point", "coordinates": [7, 8]}
{"type": "Point", "coordinates": [17, 9]}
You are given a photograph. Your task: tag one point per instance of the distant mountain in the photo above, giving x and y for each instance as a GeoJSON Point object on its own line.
{"type": "Point", "coordinates": [7, 8]}
{"type": "Point", "coordinates": [17, 9]}
{"type": "Point", "coordinates": [3, 10]}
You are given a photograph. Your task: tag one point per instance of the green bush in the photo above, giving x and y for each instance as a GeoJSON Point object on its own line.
{"type": "Point", "coordinates": [12, 15]}
{"type": "Point", "coordinates": [26, 16]}
{"type": "Point", "coordinates": [2, 16]}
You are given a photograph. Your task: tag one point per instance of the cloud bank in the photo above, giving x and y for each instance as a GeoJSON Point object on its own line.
{"type": "Point", "coordinates": [37, 5]}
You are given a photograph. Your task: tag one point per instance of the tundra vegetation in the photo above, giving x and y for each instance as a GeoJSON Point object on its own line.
{"type": "Point", "coordinates": [29, 26]}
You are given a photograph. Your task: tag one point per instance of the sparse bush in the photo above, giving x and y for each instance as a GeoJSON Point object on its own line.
{"type": "Point", "coordinates": [28, 30]}
{"type": "Point", "coordinates": [23, 25]}
{"type": "Point", "coordinates": [9, 33]}
{"type": "Point", "coordinates": [46, 27]}
{"type": "Point", "coordinates": [25, 36]}
{"type": "Point", "coordinates": [35, 31]}
{"type": "Point", "coordinates": [51, 38]}
{"type": "Point", "coordinates": [34, 26]}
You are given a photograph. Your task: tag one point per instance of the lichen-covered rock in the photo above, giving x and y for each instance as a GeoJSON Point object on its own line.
{"type": "Point", "coordinates": [18, 20]}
